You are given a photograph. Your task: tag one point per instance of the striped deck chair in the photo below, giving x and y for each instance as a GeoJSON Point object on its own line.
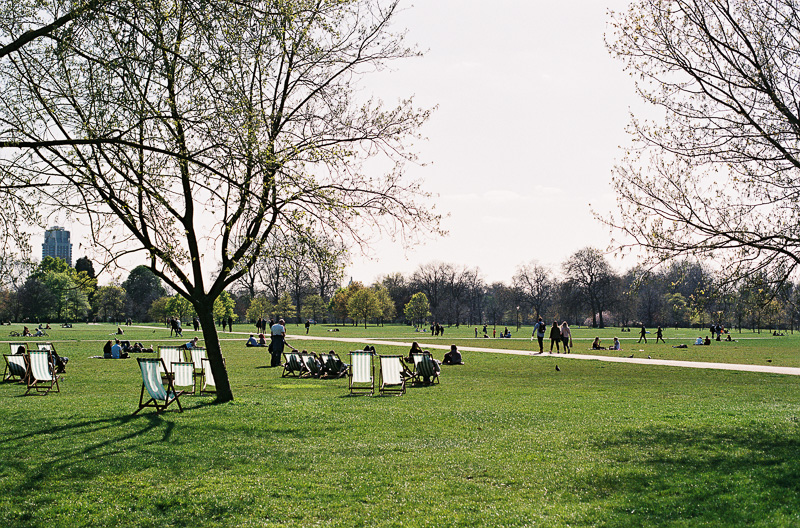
{"type": "Point", "coordinates": [425, 370]}
{"type": "Point", "coordinates": [195, 356]}
{"type": "Point", "coordinates": [16, 368]}
{"type": "Point", "coordinates": [48, 347]}
{"type": "Point", "coordinates": [184, 376]}
{"type": "Point", "coordinates": [392, 380]}
{"type": "Point", "coordinates": [334, 367]}
{"type": "Point", "coordinates": [311, 366]}
{"type": "Point", "coordinates": [361, 376]}
{"type": "Point", "coordinates": [209, 385]}
{"type": "Point", "coordinates": [160, 396]}
{"type": "Point", "coordinates": [170, 355]}
{"type": "Point", "coordinates": [42, 375]}
{"type": "Point", "coordinates": [293, 364]}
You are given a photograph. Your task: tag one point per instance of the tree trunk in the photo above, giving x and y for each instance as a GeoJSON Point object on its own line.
{"type": "Point", "coordinates": [214, 351]}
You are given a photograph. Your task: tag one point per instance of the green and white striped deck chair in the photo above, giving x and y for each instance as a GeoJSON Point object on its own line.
{"type": "Point", "coordinates": [293, 364]}
{"type": "Point", "coordinates": [184, 377]}
{"type": "Point", "coordinates": [42, 377]}
{"type": "Point", "coordinates": [209, 385]}
{"type": "Point", "coordinates": [392, 380]}
{"type": "Point", "coordinates": [161, 396]}
{"type": "Point", "coordinates": [425, 368]}
{"type": "Point", "coordinates": [335, 367]}
{"type": "Point", "coordinates": [311, 366]}
{"type": "Point", "coordinates": [16, 367]}
{"type": "Point", "coordinates": [48, 347]}
{"type": "Point", "coordinates": [170, 355]}
{"type": "Point", "coordinates": [361, 372]}
{"type": "Point", "coordinates": [14, 347]}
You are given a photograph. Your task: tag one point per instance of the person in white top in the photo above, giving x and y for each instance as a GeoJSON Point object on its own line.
{"type": "Point", "coordinates": [278, 331]}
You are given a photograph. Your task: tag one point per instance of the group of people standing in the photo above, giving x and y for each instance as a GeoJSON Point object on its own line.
{"type": "Point", "coordinates": [559, 335]}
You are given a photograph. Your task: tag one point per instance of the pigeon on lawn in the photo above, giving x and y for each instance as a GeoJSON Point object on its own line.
{"type": "Point", "coordinates": [558, 369]}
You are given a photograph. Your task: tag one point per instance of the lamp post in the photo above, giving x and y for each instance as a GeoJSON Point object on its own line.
{"type": "Point", "coordinates": [517, 318]}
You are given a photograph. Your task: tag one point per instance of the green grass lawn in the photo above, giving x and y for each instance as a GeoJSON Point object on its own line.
{"type": "Point", "coordinates": [504, 440]}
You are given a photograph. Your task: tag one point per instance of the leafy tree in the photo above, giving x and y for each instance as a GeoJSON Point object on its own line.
{"type": "Point", "coordinates": [339, 305]}
{"type": "Point", "coordinates": [168, 122]}
{"type": "Point", "coordinates": [178, 306]}
{"type": "Point", "coordinates": [386, 308]}
{"type": "Point", "coordinates": [284, 307]}
{"type": "Point", "coordinates": [718, 176]}
{"type": "Point", "coordinates": [142, 287]}
{"type": "Point", "coordinates": [259, 307]}
{"type": "Point", "coordinates": [110, 302]}
{"type": "Point", "coordinates": [363, 304]}
{"type": "Point", "coordinates": [314, 307]}
{"type": "Point", "coordinates": [223, 307]}
{"type": "Point", "coordinates": [590, 273]}
{"type": "Point", "coordinates": [158, 309]}
{"type": "Point", "coordinates": [418, 309]}
{"type": "Point", "coordinates": [85, 265]}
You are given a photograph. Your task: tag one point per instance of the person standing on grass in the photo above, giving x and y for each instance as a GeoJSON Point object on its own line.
{"type": "Point", "coordinates": [566, 337]}
{"type": "Point", "coordinates": [308, 325]}
{"type": "Point", "coordinates": [538, 331]}
{"type": "Point", "coordinates": [555, 337]}
{"type": "Point", "coordinates": [278, 341]}
{"type": "Point", "coordinates": [660, 335]}
{"type": "Point", "coordinates": [643, 334]}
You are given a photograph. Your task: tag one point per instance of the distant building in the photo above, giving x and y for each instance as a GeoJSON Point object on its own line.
{"type": "Point", "coordinates": [56, 244]}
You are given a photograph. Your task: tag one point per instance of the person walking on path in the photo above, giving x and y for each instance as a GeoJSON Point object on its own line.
{"type": "Point", "coordinates": [555, 337]}
{"type": "Point", "coordinates": [643, 334]}
{"type": "Point", "coordinates": [566, 337]}
{"type": "Point", "coordinates": [538, 331]}
{"type": "Point", "coordinates": [660, 335]}
{"type": "Point", "coordinates": [278, 331]}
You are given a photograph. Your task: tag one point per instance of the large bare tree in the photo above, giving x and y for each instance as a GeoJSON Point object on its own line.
{"type": "Point", "coordinates": [719, 174]}
{"type": "Point", "coordinates": [192, 131]}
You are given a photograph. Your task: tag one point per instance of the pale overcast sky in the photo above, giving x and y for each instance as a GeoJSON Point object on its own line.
{"type": "Point", "coordinates": [531, 112]}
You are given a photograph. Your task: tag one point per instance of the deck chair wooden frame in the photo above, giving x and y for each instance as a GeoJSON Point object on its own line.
{"type": "Point", "coordinates": [292, 364]}
{"type": "Point", "coordinates": [392, 380]}
{"type": "Point", "coordinates": [42, 375]}
{"type": "Point", "coordinates": [161, 396]}
{"type": "Point", "coordinates": [17, 368]}
{"type": "Point", "coordinates": [336, 368]}
{"type": "Point", "coordinates": [361, 373]}
{"type": "Point", "coordinates": [208, 378]}
{"type": "Point", "coordinates": [425, 368]}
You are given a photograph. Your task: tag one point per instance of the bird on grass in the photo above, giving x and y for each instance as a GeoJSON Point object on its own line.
{"type": "Point", "coordinates": [558, 369]}
{"type": "Point", "coordinates": [630, 356]}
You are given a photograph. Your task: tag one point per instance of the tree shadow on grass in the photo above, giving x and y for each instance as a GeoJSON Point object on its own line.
{"type": "Point", "coordinates": [736, 476]}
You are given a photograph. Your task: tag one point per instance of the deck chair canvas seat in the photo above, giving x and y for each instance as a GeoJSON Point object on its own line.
{"type": "Point", "coordinates": [391, 375]}
{"type": "Point", "coordinates": [361, 372]}
{"type": "Point", "coordinates": [42, 376]}
{"type": "Point", "coordinates": [184, 376]}
{"type": "Point", "coordinates": [208, 386]}
{"type": "Point", "coordinates": [170, 355]}
{"type": "Point", "coordinates": [161, 396]}
{"type": "Point", "coordinates": [334, 367]}
{"type": "Point", "coordinates": [293, 364]}
{"type": "Point", "coordinates": [311, 366]}
{"type": "Point", "coordinates": [195, 356]}
{"type": "Point", "coordinates": [16, 368]}
{"type": "Point", "coordinates": [425, 368]}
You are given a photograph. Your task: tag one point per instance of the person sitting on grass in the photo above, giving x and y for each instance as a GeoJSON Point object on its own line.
{"type": "Point", "coordinates": [616, 345]}
{"type": "Point", "coordinates": [107, 350]}
{"type": "Point", "coordinates": [415, 349]}
{"type": "Point", "coordinates": [26, 332]}
{"type": "Point", "coordinates": [39, 333]}
{"type": "Point", "coordinates": [728, 339]}
{"type": "Point", "coordinates": [596, 344]}
{"type": "Point", "coordinates": [707, 341]}
{"type": "Point", "coordinates": [698, 341]}
{"type": "Point", "coordinates": [453, 357]}
{"type": "Point", "coordinates": [117, 352]}
{"type": "Point", "coordinates": [251, 342]}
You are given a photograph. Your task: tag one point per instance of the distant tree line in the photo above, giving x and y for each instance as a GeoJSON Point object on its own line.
{"type": "Point", "coordinates": [307, 285]}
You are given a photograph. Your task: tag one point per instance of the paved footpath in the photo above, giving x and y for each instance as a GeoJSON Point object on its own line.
{"type": "Point", "coordinates": [791, 371]}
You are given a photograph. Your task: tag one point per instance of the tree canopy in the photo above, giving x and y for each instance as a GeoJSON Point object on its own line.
{"type": "Point", "coordinates": [718, 175]}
